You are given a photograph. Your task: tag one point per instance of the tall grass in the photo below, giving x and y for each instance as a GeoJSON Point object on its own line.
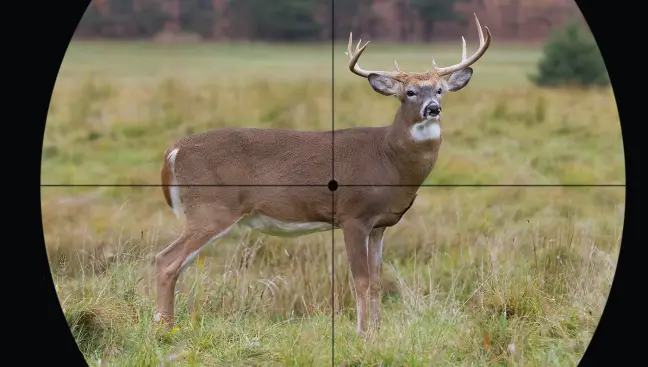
{"type": "Point", "coordinates": [481, 275]}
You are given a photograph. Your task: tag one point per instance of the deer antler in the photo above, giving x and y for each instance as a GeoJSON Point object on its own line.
{"type": "Point", "coordinates": [356, 69]}
{"type": "Point", "coordinates": [484, 43]}
{"type": "Point", "coordinates": [483, 46]}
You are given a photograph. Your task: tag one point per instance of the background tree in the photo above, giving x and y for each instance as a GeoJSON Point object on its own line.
{"type": "Point", "coordinates": [149, 19]}
{"type": "Point", "coordinates": [571, 57]}
{"type": "Point", "coordinates": [290, 20]}
{"type": "Point", "coordinates": [197, 16]}
{"type": "Point", "coordinates": [345, 16]}
{"type": "Point", "coordinates": [123, 20]}
{"type": "Point", "coordinates": [407, 17]}
{"type": "Point", "coordinates": [92, 23]}
{"type": "Point", "coordinates": [432, 11]}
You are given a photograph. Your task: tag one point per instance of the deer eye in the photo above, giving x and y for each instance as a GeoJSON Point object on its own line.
{"type": "Point", "coordinates": [410, 93]}
{"type": "Point", "coordinates": [439, 91]}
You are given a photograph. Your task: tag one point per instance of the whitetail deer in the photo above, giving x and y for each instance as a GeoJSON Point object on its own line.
{"type": "Point", "coordinates": [208, 177]}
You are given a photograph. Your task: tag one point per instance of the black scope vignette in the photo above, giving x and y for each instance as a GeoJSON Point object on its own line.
{"type": "Point", "coordinates": [34, 58]}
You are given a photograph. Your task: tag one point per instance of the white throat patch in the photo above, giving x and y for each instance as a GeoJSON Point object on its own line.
{"type": "Point", "coordinates": [426, 130]}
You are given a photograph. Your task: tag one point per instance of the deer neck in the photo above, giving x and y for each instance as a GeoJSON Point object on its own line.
{"type": "Point", "coordinates": [413, 153]}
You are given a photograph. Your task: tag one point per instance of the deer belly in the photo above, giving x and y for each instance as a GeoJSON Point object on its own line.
{"type": "Point", "coordinates": [274, 227]}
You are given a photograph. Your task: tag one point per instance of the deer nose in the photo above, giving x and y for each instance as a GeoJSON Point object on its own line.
{"type": "Point", "coordinates": [432, 109]}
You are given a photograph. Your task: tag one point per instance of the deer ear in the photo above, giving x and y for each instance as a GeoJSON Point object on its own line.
{"type": "Point", "coordinates": [459, 79]}
{"type": "Point", "coordinates": [384, 84]}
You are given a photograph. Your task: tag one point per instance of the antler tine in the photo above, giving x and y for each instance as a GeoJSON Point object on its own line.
{"type": "Point", "coordinates": [484, 43]}
{"type": "Point", "coordinates": [353, 61]}
{"type": "Point", "coordinates": [396, 66]}
{"type": "Point", "coordinates": [463, 52]}
{"type": "Point", "coordinates": [479, 31]}
{"type": "Point", "coordinates": [354, 56]}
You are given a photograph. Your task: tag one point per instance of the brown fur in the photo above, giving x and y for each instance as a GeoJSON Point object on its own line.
{"type": "Point", "coordinates": [363, 156]}
{"type": "Point", "coordinates": [430, 77]}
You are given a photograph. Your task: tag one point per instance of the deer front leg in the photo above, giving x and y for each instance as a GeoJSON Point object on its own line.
{"type": "Point", "coordinates": [375, 275]}
{"type": "Point", "coordinates": [356, 241]}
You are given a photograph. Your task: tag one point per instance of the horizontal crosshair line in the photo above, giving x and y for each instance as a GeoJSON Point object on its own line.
{"type": "Point", "coordinates": [339, 185]}
{"type": "Point", "coordinates": [486, 185]}
{"type": "Point", "coordinates": [179, 185]}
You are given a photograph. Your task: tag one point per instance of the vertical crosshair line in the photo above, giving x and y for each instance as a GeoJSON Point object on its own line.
{"type": "Point", "coordinates": [333, 278]}
{"type": "Point", "coordinates": [332, 90]}
{"type": "Point", "coordinates": [332, 180]}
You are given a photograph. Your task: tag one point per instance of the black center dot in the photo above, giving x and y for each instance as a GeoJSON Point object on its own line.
{"type": "Point", "coordinates": [332, 185]}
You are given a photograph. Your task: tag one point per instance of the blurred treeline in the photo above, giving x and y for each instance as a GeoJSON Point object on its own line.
{"type": "Point", "coordinates": [316, 20]}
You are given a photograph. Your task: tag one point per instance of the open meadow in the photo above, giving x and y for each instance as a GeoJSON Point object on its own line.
{"type": "Point", "coordinates": [490, 275]}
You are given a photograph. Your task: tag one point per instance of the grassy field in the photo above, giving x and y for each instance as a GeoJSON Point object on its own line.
{"type": "Point", "coordinates": [506, 276]}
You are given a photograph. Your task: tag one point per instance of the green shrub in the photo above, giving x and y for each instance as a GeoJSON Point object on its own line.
{"type": "Point", "coordinates": [571, 57]}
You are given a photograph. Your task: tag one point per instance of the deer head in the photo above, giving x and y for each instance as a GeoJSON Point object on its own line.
{"type": "Point", "coordinates": [420, 93]}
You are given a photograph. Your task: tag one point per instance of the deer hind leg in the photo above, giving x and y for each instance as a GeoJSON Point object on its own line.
{"type": "Point", "coordinates": [356, 241]}
{"type": "Point", "coordinates": [172, 260]}
{"type": "Point", "coordinates": [375, 275]}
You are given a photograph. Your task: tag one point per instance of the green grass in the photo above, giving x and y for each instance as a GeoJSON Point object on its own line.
{"type": "Point", "coordinates": [472, 276]}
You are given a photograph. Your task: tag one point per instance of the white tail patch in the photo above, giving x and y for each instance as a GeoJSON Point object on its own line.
{"type": "Point", "coordinates": [174, 190]}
